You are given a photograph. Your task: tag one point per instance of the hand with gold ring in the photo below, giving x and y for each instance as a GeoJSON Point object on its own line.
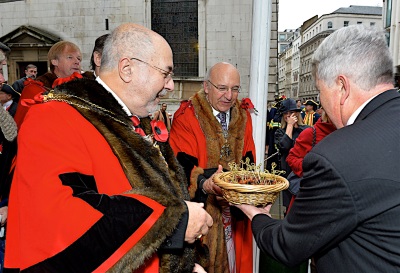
{"type": "Point", "coordinates": [199, 222]}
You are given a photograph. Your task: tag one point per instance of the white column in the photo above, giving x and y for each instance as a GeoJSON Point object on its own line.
{"type": "Point", "coordinates": [259, 67]}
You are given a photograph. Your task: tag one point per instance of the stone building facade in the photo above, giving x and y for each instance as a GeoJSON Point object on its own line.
{"type": "Point", "coordinates": [312, 33]}
{"type": "Point", "coordinates": [201, 33]}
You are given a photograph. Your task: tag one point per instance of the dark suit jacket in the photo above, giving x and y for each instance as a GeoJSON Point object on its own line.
{"type": "Point", "coordinates": [347, 213]}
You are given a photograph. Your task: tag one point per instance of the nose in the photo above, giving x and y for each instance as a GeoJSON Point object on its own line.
{"type": "Point", "coordinates": [169, 85]}
{"type": "Point", "coordinates": [228, 94]}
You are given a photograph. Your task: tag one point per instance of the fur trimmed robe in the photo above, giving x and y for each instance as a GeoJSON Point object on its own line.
{"type": "Point", "coordinates": [197, 138]}
{"type": "Point", "coordinates": [91, 194]}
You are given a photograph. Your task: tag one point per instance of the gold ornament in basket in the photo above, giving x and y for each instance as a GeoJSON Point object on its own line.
{"type": "Point", "coordinates": [250, 186]}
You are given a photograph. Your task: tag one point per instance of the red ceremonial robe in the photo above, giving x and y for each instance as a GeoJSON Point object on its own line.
{"type": "Point", "coordinates": [196, 138]}
{"type": "Point", "coordinates": [89, 194]}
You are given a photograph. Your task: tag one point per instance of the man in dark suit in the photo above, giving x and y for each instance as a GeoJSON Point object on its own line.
{"type": "Point", "coordinates": [347, 213]}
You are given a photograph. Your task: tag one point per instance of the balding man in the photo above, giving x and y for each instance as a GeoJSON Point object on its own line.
{"type": "Point", "coordinates": [95, 189]}
{"type": "Point", "coordinates": [210, 131]}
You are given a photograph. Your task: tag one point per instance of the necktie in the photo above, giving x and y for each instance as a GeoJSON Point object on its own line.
{"type": "Point", "coordinates": [222, 118]}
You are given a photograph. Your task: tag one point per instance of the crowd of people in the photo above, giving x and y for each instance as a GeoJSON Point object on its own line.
{"type": "Point", "coordinates": [89, 182]}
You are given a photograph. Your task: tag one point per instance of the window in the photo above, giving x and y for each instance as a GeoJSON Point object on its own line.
{"type": "Point", "coordinates": [282, 37]}
{"type": "Point", "coordinates": [359, 23]}
{"type": "Point", "coordinates": [372, 24]}
{"type": "Point", "coordinates": [177, 22]}
{"type": "Point", "coordinates": [330, 25]}
{"type": "Point", "coordinates": [346, 23]}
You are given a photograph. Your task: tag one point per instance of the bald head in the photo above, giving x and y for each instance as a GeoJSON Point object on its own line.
{"type": "Point", "coordinates": [130, 40]}
{"type": "Point", "coordinates": [222, 76]}
{"type": "Point", "coordinates": [137, 65]}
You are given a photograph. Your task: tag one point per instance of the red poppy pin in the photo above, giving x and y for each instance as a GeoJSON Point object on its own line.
{"type": "Point", "coordinates": [160, 131]}
{"type": "Point", "coordinates": [248, 105]}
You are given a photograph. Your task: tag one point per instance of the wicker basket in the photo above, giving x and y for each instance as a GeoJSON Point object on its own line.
{"type": "Point", "coordinates": [256, 195]}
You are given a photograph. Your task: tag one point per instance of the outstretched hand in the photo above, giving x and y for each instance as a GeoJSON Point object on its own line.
{"type": "Point", "coordinates": [251, 211]}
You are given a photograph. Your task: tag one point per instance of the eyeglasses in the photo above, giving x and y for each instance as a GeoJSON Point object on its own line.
{"type": "Point", "coordinates": [224, 89]}
{"type": "Point", "coordinates": [167, 74]}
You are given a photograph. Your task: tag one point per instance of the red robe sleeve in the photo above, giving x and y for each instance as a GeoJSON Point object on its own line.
{"type": "Point", "coordinates": [69, 188]}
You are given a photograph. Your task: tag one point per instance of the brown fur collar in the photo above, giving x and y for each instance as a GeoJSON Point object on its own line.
{"type": "Point", "coordinates": [47, 79]}
{"type": "Point", "coordinates": [215, 239]}
{"type": "Point", "coordinates": [213, 131]}
{"type": "Point", "coordinates": [144, 167]}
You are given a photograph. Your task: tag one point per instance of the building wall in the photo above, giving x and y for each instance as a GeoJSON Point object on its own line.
{"type": "Point", "coordinates": [296, 66]}
{"type": "Point", "coordinates": [224, 33]}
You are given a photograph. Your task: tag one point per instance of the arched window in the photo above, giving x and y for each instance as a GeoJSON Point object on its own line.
{"type": "Point", "coordinates": [330, 25]}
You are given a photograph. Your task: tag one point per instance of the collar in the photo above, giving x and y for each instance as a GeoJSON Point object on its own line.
{"type": "Point", "coordinates": [7, 104]}
{"type": "Point", "coordinates": [358, 111]}
{"type": "Point", "coordinates": [215, 113]}
{"type": "Point", "coordinates": [124, 107]}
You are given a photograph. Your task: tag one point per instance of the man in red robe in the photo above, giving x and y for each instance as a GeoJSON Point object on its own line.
{"type": "Point", "coordinates": [94, 193]}
{"type": "Point", "coordinates": [210, 131]}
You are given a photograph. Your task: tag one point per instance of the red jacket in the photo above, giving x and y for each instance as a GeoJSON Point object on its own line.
{"type": "Point", "coordinates": [304, 144]}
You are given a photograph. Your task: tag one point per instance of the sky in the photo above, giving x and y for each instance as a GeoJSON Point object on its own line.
{"type": "Point", "coordinates": [292, 13]}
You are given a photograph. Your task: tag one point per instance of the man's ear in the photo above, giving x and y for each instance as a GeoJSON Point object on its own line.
{"type": "Point", "coordinates": [54, 62]}
{"type": "Point", "coordinates": [125, 70]}
{"type": "Point", "coordinates": [205, 87]}
{"type": "Point", "coordinates": [344, 86]}
{"type": "Point", "coordinates": [97, 58]}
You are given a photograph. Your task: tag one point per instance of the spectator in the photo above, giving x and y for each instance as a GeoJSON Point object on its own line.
{"type": "Point", "coordinates": [163, 115]}
{"type": "Point", "coordinates": [92, 191]}
{"type": "Point", "coordinates": [309, 116]}
{"type": "Point", "coordinates": [7, 99]}
{"type": "Point", "coordinates": [30, 72]}
{"type": "Point", "coordinates": [346, 212]}
{"type": "Point", "coordinates": [274, 119]}
{"type": "Point", "coordinates": [210, 131]}
{"type": "Point", "coordinates": [285, 137]}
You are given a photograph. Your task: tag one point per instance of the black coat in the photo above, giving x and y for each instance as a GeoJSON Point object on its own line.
{"type": "Point", "coordinates": [347, 213]}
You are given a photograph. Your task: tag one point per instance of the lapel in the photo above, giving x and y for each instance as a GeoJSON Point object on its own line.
{"type": "Point", "coordinates": [377, 102]}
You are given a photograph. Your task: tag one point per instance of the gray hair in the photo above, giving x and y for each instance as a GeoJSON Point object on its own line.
{"type": "Point", "coordinates": [30, 66]}
{"type": "Point", "coordinates": [130, 42]}
{"type": "Point", "coordinates": [361, 53]}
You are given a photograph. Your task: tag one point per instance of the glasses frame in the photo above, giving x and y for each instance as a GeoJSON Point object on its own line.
{"type": "Point", "coordinates": [227, 88]}
{"type": "Point", "coordinates": [167, 74]}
